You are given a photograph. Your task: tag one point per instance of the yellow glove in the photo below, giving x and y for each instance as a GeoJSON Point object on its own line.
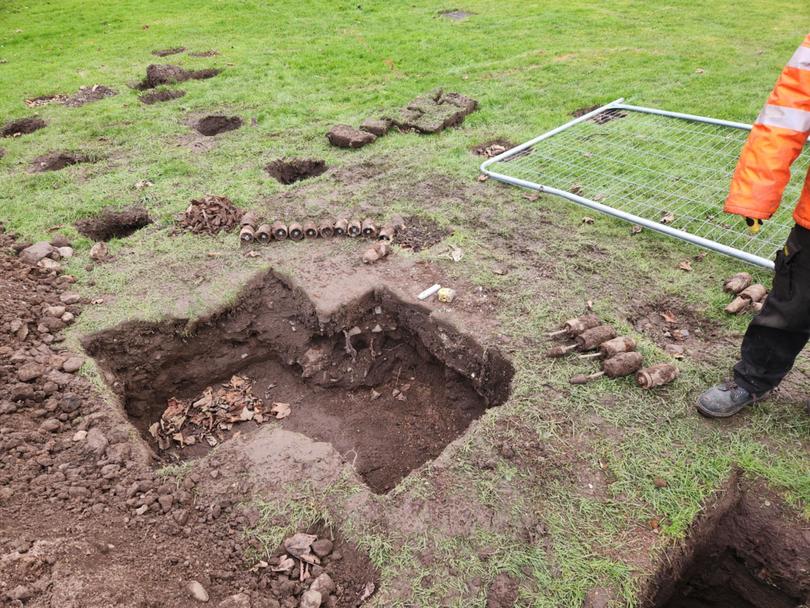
{"type": "Point", "coordinates": [754, 225]}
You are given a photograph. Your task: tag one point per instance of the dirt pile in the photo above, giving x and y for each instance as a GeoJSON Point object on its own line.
{"type": "Point", "coordinates": [89, 95]}
{"type": "Point", "coordinates": [420, 233]}
{"type": "Point", "coordinates": [55, 161]}
{"type": "Point", "coordinates": [114, 223]}
{"type": "Point", "coordinates": [214, 125]}
{"type": "Point", "coordinates": [289, 171]}
{"type": "Point", "coordinates": [209, 53]}
{"type": "Point", "coordinates": [167, 74]}
{"type": "Point", "coordinates": [209, 215]}
{"type": "Point", "coordinates": [44, 100]}
{"type": "Point", "coordinates": [22, 126]}
{"type": "Point", "coordinates": [85, 521]}
{"type": "Point", "coordinates": [161, 95]}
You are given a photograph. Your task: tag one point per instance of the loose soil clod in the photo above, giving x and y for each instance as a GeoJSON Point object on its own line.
{"type": "Point", "coordinates": [161, 95]}
{"type": "Point", "coordinates": [54, 161]}
{"type": "Point", "coordinates": [295, 169]}
{"type": "Point", "coordinates": [214, 125]}
{"type": "Point", "coordinates": [22, 126]}
{"type": "Point", "coordinates": [210, 215]}
{"type": "Point", "coordinates": [114, 223]}
{"type": "Point", "coordinates": [90, 94]}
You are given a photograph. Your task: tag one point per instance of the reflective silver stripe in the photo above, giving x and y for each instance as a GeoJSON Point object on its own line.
{"type": "Point", "coordinates": [785, 118]}
{"type": "Point", "coordinates": [800, 59]}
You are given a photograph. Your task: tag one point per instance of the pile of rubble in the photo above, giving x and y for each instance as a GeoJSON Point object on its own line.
{"type": "Point", "coordinates": [209, 215]}
{"type": "Point", "coordinates": [187, 422]}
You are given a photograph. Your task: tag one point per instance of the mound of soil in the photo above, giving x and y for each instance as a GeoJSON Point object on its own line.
{"type": "Point", "coordinates": [295, 169]}
{"type": "Point", "coordinates": [161, 95]}
{"type": "Point", "coordinates": [744, 553]}
{"type": "Point", "coordinates": [395, 382]}
{"type": "Point", "coordinates": [170, 51]}
{"type": "Point", "coordinates": [68, 463]}
{"type": "Point", "coordinates": [600, 118]}
{"type": "Point", "coordinates": [162, 74]}
{"type": "Point", "coordinates": [209, 53]}
{"type": "Point", "coordinates": [210, 215]}
{"type": "Point", "coordinates": [114, 223]}
{"type": "Point", "coordinates": [54, 161]}
{"type": "Point", "coordinates": [22, 126]}
{"type": "Point", "coordinates": [420, 233]}
{"type": "Point", "coordinates": [214, 125]}
{"type": "Point", "coordinates": [2, 152]}
{"type": "Point", "coordinates": [44, 100]}
{"type": "Point", "coordinates": [89, 95]}
{"type": "Point", "coordinates": [434, 112]}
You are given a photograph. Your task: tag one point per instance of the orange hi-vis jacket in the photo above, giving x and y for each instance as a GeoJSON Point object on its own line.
{"type": "Point", "coordinates": [776, 140]}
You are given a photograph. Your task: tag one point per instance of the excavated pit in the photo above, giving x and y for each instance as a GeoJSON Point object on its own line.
{"type": "Point", "coordinates": [288, 171]}
{"type": "Point", "coordinates": [746, 552]}
{"type": "Point", "coordinates": [214, 125]}
{"type": "Point", "coordinates": [114, 223]}
{"type": "Point", "coordinates": [387, 385]}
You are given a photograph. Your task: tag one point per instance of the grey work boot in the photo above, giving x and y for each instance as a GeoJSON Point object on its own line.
{"type": "Point", "coordinates": [724, 400]}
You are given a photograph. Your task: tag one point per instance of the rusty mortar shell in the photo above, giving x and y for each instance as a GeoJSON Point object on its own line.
{"type": "Point", "coordinates": [594, 337]}
{"type": "Point", "coordinates": [757, 306]}
{"type": "Point", "coordinates": [249, 218]}
{"type": "Point", "coordinates": [296, 231]}
{"type": "Point", "coordinates": [310, 230]}
{"type": "Point", "coordinates": [370, 255]}
{"type": "Point", "coordinates": [560, 351]}
{"type": "Point", "coordinates": [368, 228]}
{"type": "Point", "coordinates": [280, 231]}
{"type": "Point", "coordinates": [246, 234]}
{"type": "Point", "coordinates": [387, 233]}
{"type": "Point", "coordinates": [341, 226]}
{"type": "Point", "coordinates": [622, 344]}
{"type": "Point", "coordinates": [355, 228]}
{"type": "Point", "coordinates": [754, 293]}
{"type": "Point", "coordinates": [326, 229]}
{"type": "Point", "coordinates": [574, 327]}
{"type": "Point", "coordinates": [264, 233]}
{"type": "Point", "coordinates": [737, 305]}
{"type": "Point", "coordinates": [397, 223]}
{"type": "Point", "coordinates": [738, 282]}
{"type": "Point", "coordinates": [657, 375]}
{"type": "Point", "coordinates": [622, 364]}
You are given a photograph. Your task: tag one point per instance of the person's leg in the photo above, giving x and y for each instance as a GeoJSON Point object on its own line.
{"type": "Point", "coordinates": [775, 336]}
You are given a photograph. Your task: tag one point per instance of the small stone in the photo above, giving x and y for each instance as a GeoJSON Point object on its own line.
{"type": "Point", "coordinates": [49, 264]}
{"type": "Point", "coordinates": [28, 372]}
{"type": "Point", "coordinates": [96, 441]}
{"type": "Point", "coordinates": [240, 600]}
{"type": "Point", "coordinates": [99, 252]}
{"type": "Point", "coordinates": [51, 425]}
{"type": "Point", "coordinates": [80, 436]}
{"type": "Point", "coordinates": [323, 584]}
{"type": "Point", "coordinates": [59, 241]}
{"type": "Point", "coordinates": [67, 317]}
{"type": "Point", "coordinates": [55, 311]}
{"type": "Point", "coordinates": [141, 510]}
{"type": "Point", "coordinates": [344, 136]}
{"type": "Point", "coordinates": [180, 516]}
{"type": "Point", "coordinates": [166, 502]}
{"type": "Point", "coordinates": [311, 599]}
{"type": "Point", "coordinates": [70, 298]}
{"type": "Point", "coordinates": [377, 127]}
{"type": "Point", "coordinates": [197, 591]}
{"type": "Point", "coordinates": [36, 252]}
{"type": "Point", "coordinates": [322, 547]}
{"type": "Point", "coordinates": [66, 252]}
{"type": "Point", "coordinates": [660, 482]}
{"type": "Point", "coordinates": [21, 593]}
{"type": "Point", "coordinates": [72, 364]}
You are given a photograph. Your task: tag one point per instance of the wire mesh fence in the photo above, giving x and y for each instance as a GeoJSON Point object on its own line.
{"type": "Point", "coordinates": [671, 171]}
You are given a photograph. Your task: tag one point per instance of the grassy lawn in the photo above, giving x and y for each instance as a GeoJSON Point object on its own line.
{"type": "Point", "coordinates": [291, 71]}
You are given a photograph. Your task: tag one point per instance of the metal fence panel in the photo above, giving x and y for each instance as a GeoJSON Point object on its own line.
{"type": "Point", "coordinates": [666, 171]}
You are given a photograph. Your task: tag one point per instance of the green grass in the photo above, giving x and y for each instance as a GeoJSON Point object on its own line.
{"type": "Point", "coordinates": [292, 70]}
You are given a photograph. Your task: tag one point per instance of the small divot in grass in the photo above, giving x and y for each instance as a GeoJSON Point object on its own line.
{"type": "Point", "coordinates": [288, 171]}
{"type": "Point", "coordinates": [600, 118]}
{"type": "Point", "coordinates": [161, 95]}
{"type": "Point", "coordinates": [114, 223]}
{"type": "Point", "coordinates": [22, 126]}
{"type": "Point", "coordinates": [216, 124]}
{"type": "Point", "coordinates": [55, 161]}
{"type": "Point", "coordinates": [175, 50]}
{"type": "Point", "coordinates": [167, 74]}
{"type": "Point", "coordinates": [455, 14]}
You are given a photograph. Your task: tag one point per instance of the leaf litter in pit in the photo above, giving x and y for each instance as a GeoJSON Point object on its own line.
{"type": "Point", "coordinates": [186, 422]}
{"type": "Point", "coordinates": [281, 410]}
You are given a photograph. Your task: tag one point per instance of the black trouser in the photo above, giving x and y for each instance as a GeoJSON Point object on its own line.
{"type": "Point", "coordinates": [779, 332]}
